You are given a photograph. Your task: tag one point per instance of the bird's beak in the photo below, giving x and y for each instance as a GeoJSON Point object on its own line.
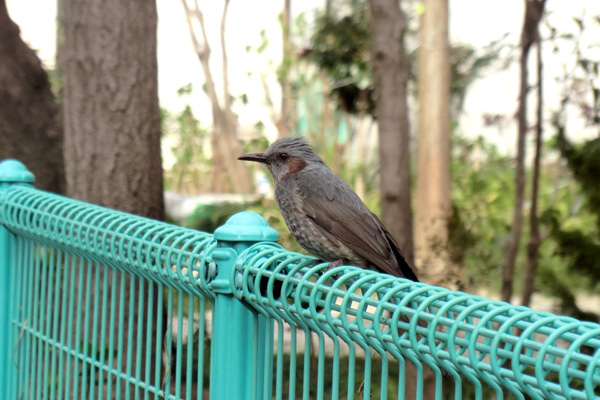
{"type": "Point", "coordinates": [256, 157]}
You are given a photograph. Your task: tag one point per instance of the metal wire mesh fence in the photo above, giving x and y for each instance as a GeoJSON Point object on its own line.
{"type": "Point", "coordinates": [99, 304]}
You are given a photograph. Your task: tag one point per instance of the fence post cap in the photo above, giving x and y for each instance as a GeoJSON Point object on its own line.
{"type": "Point", "coordinates": [15, 172]}
{"type": "Point", "coordinates": [246, 226]}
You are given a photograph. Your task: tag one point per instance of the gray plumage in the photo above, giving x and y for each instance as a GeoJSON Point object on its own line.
{"type": "Point", "coordinates": [324, 214]}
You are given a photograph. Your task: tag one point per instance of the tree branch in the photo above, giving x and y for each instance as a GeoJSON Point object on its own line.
{"type": "Point", "coordinates": [224, 56]}
{"type": "Point", "coordinates": [535, 238]}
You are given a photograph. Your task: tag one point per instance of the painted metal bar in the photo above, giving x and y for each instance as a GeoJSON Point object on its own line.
{"type": "Point", "coordinates": [130, 335]}
{"type": "Point", "coordinates": [42, 322]}
{"type": "Point", "coordinates": [232, 371]}
{"type": "Point", "coordinates": [6, 294]}
{"type": "Point", "coordinates": [69, 360]}
{"type": "Point", "coordinates": [12, 173]}
{"type": "Point", "coordinates": [102, 348]}
{"type": "Point", "coordinates": [189, 382]}
{"type": "Point", "coordinates": [149, 337]}
{"type": "Point", "coordinates": [85, 341]}
{"type": "Point", "coordinates": [114, 313]}
{"type": "Point", "coordinates": [118, 348]}
{"type": "Point", "coordinates": [200, 358]}
{"type": "Point", "coordinates": [47, 333]}
{"type": "Point", "coordinates": [20, 344]}
{"type": "Point", "coordinates": [95, 375]}
{"type": "Point", "coordinates": [168, 345]}
{"type": "Point", "coordinates": [54, 369]}
{"type": "Point", "coordinates": [158, 317]}
{"type": "Point", "coordinates": [34, 250]}
{"type": "Point", "coordinates": [80, 275]}
{"type": "Point", "coordinates": [139, 335]}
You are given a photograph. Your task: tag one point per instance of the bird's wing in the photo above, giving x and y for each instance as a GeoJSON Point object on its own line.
{"type": "Point", "coordinates": [338, 212]}
{"type": "Point", "coordinates": [407, 271]}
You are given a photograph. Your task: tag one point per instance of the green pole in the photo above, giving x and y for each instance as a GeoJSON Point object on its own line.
{"type": "Point", "coordinates": [231, 368]}
{"type": "Point", "coordinates": [12, 172]}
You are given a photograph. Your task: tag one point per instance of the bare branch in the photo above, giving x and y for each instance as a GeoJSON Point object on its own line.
{"type": "Point", "coordinates": [202, 50]}
{"type": "Point", "coordinates": [226, 170]}
{"type": "Point", "coordinates": [224, 56]}
{"type": "Point", "coordinates": [535, 237]}
{"type": "Point", "coordinates": [530, 33]}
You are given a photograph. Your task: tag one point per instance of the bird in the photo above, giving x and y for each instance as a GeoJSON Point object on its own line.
{"type": "Point", "coordinates": [325, 216]}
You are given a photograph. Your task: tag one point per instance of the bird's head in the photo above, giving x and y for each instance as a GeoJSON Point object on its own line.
{"type": "Point", "coordinates": [285, 157]}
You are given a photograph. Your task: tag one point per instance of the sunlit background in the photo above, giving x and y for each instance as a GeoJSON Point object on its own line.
{"type": "Point", "coordinates": [484, 125]}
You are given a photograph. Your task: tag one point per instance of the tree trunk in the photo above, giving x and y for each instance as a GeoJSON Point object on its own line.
{"type": "Point", "coordinates": [112, 128]}
{"type": "Point", "coordinates": [112, 120]}
{"type": "Point", "coordinates": [228, 173]}
{"type": "Point", "coordinates": [390, 72]}
{"type": "Point", "coordinates": [60, 50]}
{"type": "Point", "coordinates": [535, 239]}
{"type": "Point", "coordinates": [433, 205]}
{"type": "Point", "coordinates": [533, 14]}
{"type": "Point", "coordinates": [30, 127]}
{"type": "Point", "coordinates": [390, 75]}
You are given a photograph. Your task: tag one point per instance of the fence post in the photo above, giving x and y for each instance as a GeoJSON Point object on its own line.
{"type": "Point", "coordinates": [12, 172]}
{"type": "Point", "coordinates": [231, 369]}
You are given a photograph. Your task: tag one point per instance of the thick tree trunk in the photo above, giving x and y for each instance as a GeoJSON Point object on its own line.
{"type": "Point", "coordinates": [533, 14]}
{"type": "Point", "coordinates": [390, 76]}
{"type": "Point", "coordinates": [60, 50]}
{"type": "Point", "coordinates": [433, 205]}
{"type": "Point", "coordinates": [535, 238]}
{"type": "Point", "coordinates": [112, 120]}
{"type": "Point", "coordinates": [30, 127]}
{"type": "Point", "coordinates": [112, 128]}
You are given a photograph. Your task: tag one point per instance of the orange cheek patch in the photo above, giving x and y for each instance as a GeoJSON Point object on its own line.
{"type": "Point", "coordinates": [296, 165]}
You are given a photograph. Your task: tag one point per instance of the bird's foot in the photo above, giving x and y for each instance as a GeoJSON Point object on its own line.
{"type": "Point", "coordinates": [331, 265]}
{"type": "Point", "coordinates": [336, 263]}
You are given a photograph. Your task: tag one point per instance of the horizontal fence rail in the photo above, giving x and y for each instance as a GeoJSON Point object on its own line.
{"type": "Point", "coordinates": [528, 353]}
{"type": "Point", "coordinates": [71, 336]}
{"type": "Point", "coordinates": [96, 303]}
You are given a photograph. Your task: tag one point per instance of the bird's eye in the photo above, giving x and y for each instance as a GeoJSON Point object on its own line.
{"type": "Point", "coordinates": [283, 156]}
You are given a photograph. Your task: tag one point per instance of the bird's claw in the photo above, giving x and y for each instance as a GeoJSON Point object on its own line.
{"type": "Point", "coordinates": [331, 265]}
{"type": "Point", "coordinates": [335, 263]}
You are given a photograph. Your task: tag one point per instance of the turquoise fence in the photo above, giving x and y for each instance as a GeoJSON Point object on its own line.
{"type": "Point", "coordinates": [100, 304]}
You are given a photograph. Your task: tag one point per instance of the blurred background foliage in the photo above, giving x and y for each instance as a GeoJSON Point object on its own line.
{"type": "Point", "coordinates": [329, 73]}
